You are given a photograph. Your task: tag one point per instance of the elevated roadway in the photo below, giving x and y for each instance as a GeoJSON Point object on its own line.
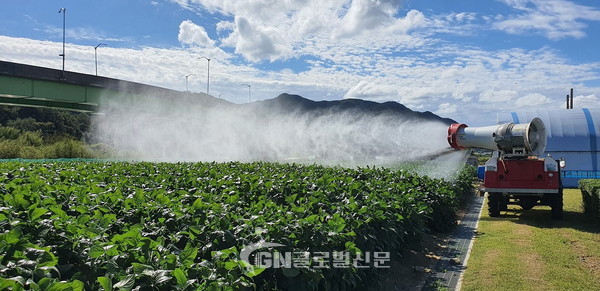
{"type": "Point", "coordinates": [26, 85]}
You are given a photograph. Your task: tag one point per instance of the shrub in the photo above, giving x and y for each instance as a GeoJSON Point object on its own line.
{"type": "Point", "coordinates": [9, 149]}
{"type": "Point", "coordinates": [66, 148]}
{"type": "Point", "coordinates": [102, 150]}
{"type": "Point", "coordinates": [590, 190]}
{"type": "Point", "coordinates": [445, 199]}
{"type": "Point", "coordinates": [30, 124]}
{"type": "Point", "coordinates": [9, 133]}
{"type": "Point", "coordinates": [31, 138]}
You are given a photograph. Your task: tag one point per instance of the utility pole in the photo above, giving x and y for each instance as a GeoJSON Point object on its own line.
{"type": "Point", "coordinates": [186, 82]}
{"type": "Point", "coordinates": [207, 76]}
{"type": "Point", "coordinates": [64, 13]}
{"type": "Point", "coordinates": [96, 56]}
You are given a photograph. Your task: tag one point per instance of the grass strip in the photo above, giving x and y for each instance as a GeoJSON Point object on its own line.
{"type": "Point", "coordinates": [527, 250]}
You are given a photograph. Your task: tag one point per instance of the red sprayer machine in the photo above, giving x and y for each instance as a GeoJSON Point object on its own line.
{"type": "Point", "coordinates": [515, 174]}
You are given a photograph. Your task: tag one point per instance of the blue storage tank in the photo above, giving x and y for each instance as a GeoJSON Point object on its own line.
{"type": "Point", "coordinates": [573, 135]}
{"type": "Point", "coordinates": [480, 172]}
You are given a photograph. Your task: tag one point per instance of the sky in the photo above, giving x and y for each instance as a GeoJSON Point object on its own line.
{"type": "Point", "coordinates": [465, 59]}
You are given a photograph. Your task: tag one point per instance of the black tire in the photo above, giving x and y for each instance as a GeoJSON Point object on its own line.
{"type": "Point", "coordinates": [557, 205]}
{"type": "Point", "coordinates": [503, 203]}
{"type": "Point", "coordinates": [494, 204]}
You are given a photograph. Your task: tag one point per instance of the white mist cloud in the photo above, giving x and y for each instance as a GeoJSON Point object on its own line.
{"type": "Point", "coordinates": [248, 134]}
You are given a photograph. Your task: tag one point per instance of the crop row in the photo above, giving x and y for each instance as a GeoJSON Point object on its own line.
{"type": "Point", "coordinates": [159, 226]}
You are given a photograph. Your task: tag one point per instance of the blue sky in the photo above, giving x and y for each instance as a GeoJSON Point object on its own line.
{"type": "Point", "coordinates": [463, 59]}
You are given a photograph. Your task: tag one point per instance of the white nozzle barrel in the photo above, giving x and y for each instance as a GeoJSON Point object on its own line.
{"type": "Point", "coordinates": [524, 138]}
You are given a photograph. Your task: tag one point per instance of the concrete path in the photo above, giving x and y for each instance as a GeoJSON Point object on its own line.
{"type": "Point", "coordinates": [448, 271]}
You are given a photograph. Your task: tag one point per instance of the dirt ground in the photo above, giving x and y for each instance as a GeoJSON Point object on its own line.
{"type": "Point", "coordinates": [415, 267]}
{"type": "Point", "coordinates": [412, 272]}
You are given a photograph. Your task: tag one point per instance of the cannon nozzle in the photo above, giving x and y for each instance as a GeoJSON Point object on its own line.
{"type": "Point", "coordinates": [509, 138]}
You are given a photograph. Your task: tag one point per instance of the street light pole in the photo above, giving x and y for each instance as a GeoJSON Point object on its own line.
{"type": "Point", "coordinates": [186, 82]}
{"type": "Point", "coordinates": [249, 95]}
{"type": "Point", "coordinates": [96, 56]}
{"type": "Point", "coordinates": [207, 76]}
{"type": "Point", "coordinates": [64, 13]}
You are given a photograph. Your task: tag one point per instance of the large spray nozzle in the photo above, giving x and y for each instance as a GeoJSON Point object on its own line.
{"type": "Point", "coordinates": [510, 138]}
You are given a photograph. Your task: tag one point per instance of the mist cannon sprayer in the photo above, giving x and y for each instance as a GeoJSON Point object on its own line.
{"type": "Point", "coordinates": [524, 139]}
{"type": "Point", "coordinates": [516, 173]}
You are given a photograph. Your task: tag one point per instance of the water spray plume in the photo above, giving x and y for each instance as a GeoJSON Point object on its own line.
{"type": "Point", "coordinates": [260, 133]}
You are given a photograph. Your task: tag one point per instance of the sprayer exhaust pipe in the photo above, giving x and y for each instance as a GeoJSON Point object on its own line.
{"type": "Point", "coordinates": [509, 138]}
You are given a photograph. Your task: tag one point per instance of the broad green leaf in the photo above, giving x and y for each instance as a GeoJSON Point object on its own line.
{"type": "Point", "coordinates": [20, 202]}
{"type": "Point", "coordinates": [105, 283]}
{"type": "Point", "coordinates": [230, 265]}
{"type": "Point", "coordinates": [44, 283]}
{"type": "Point", "coordinates": [11, 284]}
{"type": "Point", "coordinates": [198, 204]}
{"type": "Point", "coordinates": [12, 237]}
{"type": "Point", "coordinates": [66, 286]}
{"type": "Point", "coordinates": [253, 271]}
{"type": "Point", "coordinates": [36, 213]}
{"type": "Point", "coordinates": [188, 255]}
{"type": "Point", "coordinates": [77, 285]}
{"type": "Point", "coordinates": [291, 199]}
{"type": "Point", "coordinates": [125, 284]}
{"type": "Point", "coordinates": [337, 223]}
{"type": "Point", "coordinates": [58, 211]}
{"type": "Point", "coordinates": [141, 268]}
{"type": "Point", "coordinates": [180, 277]}
{"type": "Point", "coordinates": [96, 251]}
{"type": "Point", "coordinates": [157, 276]}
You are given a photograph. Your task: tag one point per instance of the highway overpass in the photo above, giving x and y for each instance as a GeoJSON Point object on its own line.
{"type": "Point", "coordinates": [26, 85]}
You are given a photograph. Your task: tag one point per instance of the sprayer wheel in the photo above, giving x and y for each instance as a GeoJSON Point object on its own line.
{"type": "Point", "coordinates": [503, 205]}
{"type": "Point", "coordinates": [557, 206]}
{"type": "Point", "coordinates": [494, 204]}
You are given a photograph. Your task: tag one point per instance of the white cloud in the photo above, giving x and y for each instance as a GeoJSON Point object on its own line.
{"type": "Point", "coordinates": [446, 109]}
{"type": "Point", "coordinates": [463, 23]}
{"type": "Point", "coordinates": [193, 34]}
{"type": "Point", "coordinates": [82, 33]}
{"type": "Point", "coordinates": [278, 30]}
{"type": "Point", "coordinates": [532, 100]}
{"type": "Point", "coordinates": [391, 57]}
{"type": "Point", "coordinates": [371, 90]}
{"type": "Point", "coordinates": [366, 15]}
{"type": "Point", "coordinates": [586, 101]}
{"type": "Point", "coordinates": [256, 43]}
{"type": "Point", "coordinates": [555, 19]}
{"type": "Point", "coordinates": [414, 19]}
{"type": "Point", "coordinates": [500, 96]}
